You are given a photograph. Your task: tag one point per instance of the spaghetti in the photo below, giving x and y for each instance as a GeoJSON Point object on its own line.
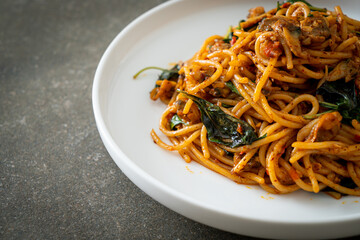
{"type": "Point", "coordinates": [274, 103]}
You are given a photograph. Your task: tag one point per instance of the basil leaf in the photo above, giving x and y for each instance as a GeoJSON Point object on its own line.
{"type": "Point", "coordinates": [221, 127]}
{"type": "Point", "coordinates": [232, 87]}
{"type": "Point", "coordinates": [311, 117]}
{"type": "Point", "coordinates": [175, 120]}
{"type": "Point", "coordinates": [342, 97]}
{"type": "Point", "coordinates": [170, 74]}
{"type": "Point", "coordinates": [226, 105]}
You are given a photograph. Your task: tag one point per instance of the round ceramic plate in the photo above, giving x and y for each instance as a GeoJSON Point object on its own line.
{"type": "Point", "coordinates": [125, 115]}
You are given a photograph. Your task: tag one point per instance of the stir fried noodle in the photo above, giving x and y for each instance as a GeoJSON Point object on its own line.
{"type": "Point", "coordinates": [273, 103]}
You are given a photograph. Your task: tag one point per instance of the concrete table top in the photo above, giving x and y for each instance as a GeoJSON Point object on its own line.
{"type": "Point", "coordinates": [57, 180]}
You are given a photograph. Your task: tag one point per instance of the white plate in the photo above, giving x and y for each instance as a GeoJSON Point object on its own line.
{"type": "Point", "coordinates": [125, 115]}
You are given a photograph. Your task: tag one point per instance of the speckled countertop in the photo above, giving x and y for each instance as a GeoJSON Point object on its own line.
{"type": "Point", "coordinates": [57, 181]}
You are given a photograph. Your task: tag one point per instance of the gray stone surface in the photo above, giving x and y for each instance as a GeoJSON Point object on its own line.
{"type": "Point", "coordinates": [56, 179]}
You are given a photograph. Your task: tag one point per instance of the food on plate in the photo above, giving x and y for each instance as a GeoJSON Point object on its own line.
{"type": "Point", "coordinates": [275, 102]}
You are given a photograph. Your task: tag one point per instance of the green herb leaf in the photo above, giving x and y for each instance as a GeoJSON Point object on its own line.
{"type": "Point", "coordinates": [329, 105]}
{"type": "Point", "coordinates": [229, 35]}
{"type": "Point", "coordinates": [239, 25]}
{"type": "Point", "coordinates": [232, 87]}
{"type": "Point", "coordinates": [226, 105]}
{"type": "Point", "coordinates": [175, 120]}
{"type": "Point", "coordinates": [311, 117]}
{"type": "Point", "coordinates": [221, 127]}
{"type": "Point", "coordinates": [342, 97]}
{"type": "Point", "coordinates": [169, 74]}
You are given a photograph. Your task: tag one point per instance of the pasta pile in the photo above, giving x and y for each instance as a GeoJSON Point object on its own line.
{"type": "Point", "coordinates": [273, 103]}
